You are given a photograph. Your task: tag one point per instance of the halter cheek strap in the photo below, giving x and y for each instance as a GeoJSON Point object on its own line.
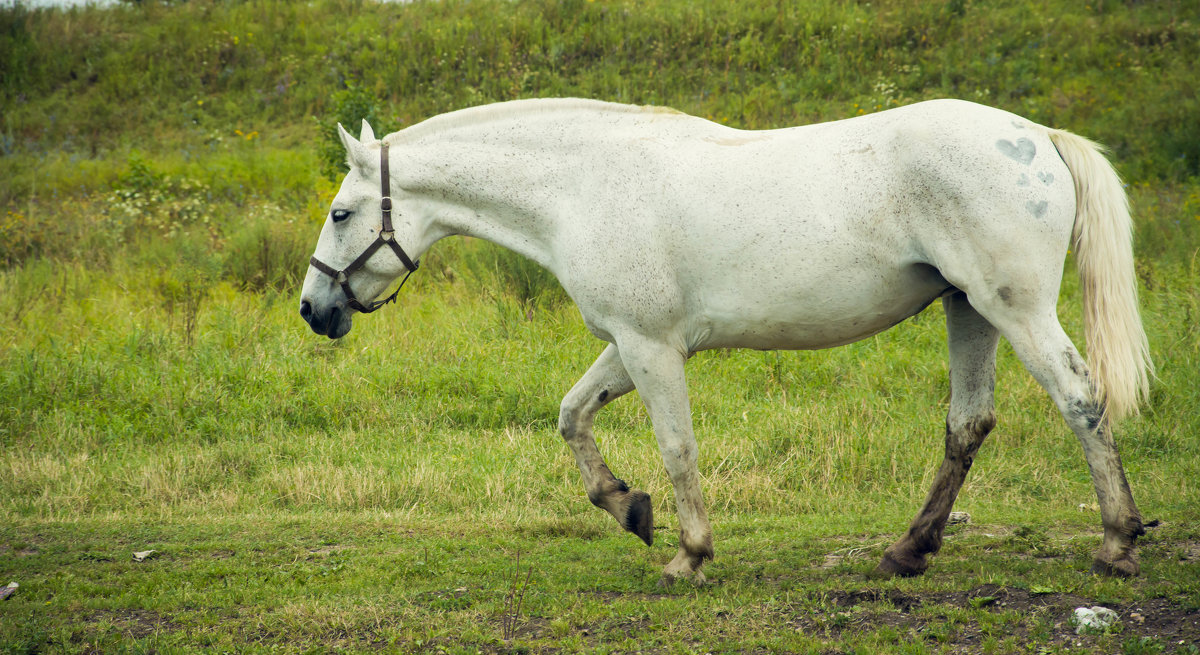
{"type": "Point", "coordinates": [387, 236]}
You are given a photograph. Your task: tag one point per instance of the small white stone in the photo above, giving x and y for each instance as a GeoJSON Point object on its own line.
{"type": "Point", "coordinates": [143, 555]}
{"type": "Point", "coordinates": [1096, 620]}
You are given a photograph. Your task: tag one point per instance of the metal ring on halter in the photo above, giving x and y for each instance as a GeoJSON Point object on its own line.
{"type": "Point", "coordinates": [386, 236]}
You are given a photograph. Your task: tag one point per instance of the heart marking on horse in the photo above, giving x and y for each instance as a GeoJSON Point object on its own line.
{"type": "Point", "coordinates": [1023, 150]}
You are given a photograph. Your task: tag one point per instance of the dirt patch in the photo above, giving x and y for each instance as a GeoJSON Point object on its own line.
{"type": "Point", "coordinates": [328, 550]}
{"type": "Point", "coordinates": [1191, 552]}
{"type": "Point", "coordinates": [134, 623]}
{"type": "Point", "coordinates": [609, 596]}
{"type": "Point", "coordinates": [445, 600]}
{"type": "Point", "coordinates": [1043, 617]}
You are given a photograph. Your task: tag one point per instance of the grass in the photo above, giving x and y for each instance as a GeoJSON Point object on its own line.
{"type": "Point", "coordinates": [313, 495]}
{"type": "Point", "coordinates": [113, 407]}
{"type": "Point", "coordinates": [163, 180]}
{"type": "Point", "coordinates": [369, 581]}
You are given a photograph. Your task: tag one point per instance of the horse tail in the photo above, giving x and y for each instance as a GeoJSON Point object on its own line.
{"type": "Point", "coordinates": [1117, 350]}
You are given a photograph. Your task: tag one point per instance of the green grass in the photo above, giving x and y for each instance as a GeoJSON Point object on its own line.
{"type": "Point", "coordinates": [353, 582]}
{"type": "Point", "coordinates": [163, 180]}
{"type": "Point", "coordinates": [313, 495]}
{"type": "Point", "coordinates": [112, 406]}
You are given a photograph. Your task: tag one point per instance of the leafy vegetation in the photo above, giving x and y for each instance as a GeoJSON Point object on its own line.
{"type": "Point", "coordinates": [165, 168]}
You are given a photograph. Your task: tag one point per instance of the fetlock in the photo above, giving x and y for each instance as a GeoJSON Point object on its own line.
{"type": "Point", "coordinates": [631, 508]}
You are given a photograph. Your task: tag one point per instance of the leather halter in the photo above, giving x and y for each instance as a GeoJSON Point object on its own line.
{"type": "Point", "coordinates": [387, 236]}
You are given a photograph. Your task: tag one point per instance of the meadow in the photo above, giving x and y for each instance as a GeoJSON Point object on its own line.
{"type": "Point", "coordinates": [164, 172]}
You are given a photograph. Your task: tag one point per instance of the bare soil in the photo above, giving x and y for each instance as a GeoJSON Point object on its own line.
{"type": "Point", "coordinates": [1156, 618]}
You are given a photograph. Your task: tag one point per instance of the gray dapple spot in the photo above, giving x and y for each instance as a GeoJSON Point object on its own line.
{"type": "Point", "coordinates": [1038, 209]}
{"type": "Point", "coordinates": [1046, 178]}
{"type": "Point", "coordinates": [1023, 150]}
{"type": "Point", "coordinates": [1023, 180]}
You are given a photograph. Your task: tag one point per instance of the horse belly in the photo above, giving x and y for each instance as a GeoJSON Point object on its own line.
{"type": "Point", "coordinates": [815, 316]}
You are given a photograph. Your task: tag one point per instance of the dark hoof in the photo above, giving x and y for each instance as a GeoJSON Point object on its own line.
{"type": "Point", "coordinates": [639, 516]}
{"type": "Point", "coordinates": [892, 566]}
{"type": "Point", "coordinates": [1126, 567]}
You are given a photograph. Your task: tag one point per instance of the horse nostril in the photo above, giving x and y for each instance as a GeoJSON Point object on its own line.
{"type": "Point", "coordinates": [306, 311]}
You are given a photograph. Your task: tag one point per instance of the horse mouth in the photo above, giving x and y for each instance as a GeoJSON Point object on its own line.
{"type": "Point", "coordinates": [339, 329]}
{"type": "Point", "coordinates": [335, 324]}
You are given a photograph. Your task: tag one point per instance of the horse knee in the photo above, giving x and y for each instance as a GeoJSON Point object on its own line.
{"type": "Point", "coordinates": [1084, 416]}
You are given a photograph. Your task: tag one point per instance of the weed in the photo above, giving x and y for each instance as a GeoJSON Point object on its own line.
{"type": "Point", "coordinates": [514, 599]}
{"type": "Point", "coordinates": [1142, 646]}
{"type": "Point", "coordinates": [493, 267]}
{"type": "Point", "coordinates": [183, 281]}
{"type": "Point", "coordinates": [1033, 540]}
{"type": "Point", "coordinates": [267, 251]}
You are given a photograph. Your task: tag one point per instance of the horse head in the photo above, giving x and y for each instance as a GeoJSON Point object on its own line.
{"type": "Point", "coordinates": [346, 268]}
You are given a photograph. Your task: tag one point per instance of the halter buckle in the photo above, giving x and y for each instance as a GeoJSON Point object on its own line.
{"type": "Point", "coordinates": [386, 203]}
{"type": "Point", "coordinates": [387, 235]}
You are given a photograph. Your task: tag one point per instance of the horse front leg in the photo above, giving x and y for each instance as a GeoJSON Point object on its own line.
{"type": "Point", "coordinates": [603, 383]}
{"type": "Point", "coordinates": [657, 371]}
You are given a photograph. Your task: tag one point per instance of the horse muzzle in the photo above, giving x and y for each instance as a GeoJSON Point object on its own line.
{"type": "Point", "coordinates": [335, 322]}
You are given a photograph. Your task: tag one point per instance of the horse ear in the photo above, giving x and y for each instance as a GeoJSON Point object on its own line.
{"type": "Point", "coordinates": [356, 152]}
{"type": "Point", "coordinates": [366, 134]}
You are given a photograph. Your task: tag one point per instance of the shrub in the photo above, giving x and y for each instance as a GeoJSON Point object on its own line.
{"type": "Point", "coordinates": [267, 251]}
{"type": "Point", "coordinates": [351, 106]}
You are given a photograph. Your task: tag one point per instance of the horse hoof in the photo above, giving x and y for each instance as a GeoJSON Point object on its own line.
{"type": "Point", "coordinates": [1126, 567]}
{"type": "Point", "coordinates": [639, 516]}
{"type": "Point", "coordinates": [892, 566]}
{"type": "Point", "coordinates": [697, 578]}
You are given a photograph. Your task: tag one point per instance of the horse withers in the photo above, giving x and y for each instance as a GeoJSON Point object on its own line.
{"type": "Point", "coordinates": [674, 234]}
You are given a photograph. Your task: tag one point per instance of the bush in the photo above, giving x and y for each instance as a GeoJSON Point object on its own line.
{"type": "Point", "coordinates": [499, 269]}
{"type": "Point", "coordinates": [267, 252]}
{"type": "Point", "coordinates": [351, 106]}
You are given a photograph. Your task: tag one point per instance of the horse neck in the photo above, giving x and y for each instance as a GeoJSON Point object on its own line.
{"type": "Point", "coordinates": [504, 191]}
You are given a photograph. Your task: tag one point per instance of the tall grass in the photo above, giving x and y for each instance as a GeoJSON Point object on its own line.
{"type": "Point", "coordinates": [185, 76]}
{"type": "Point", "coordinates": [448, 405]}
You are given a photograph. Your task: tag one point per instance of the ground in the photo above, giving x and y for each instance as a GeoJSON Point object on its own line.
{"type": "Point", "coordinates": [286, 588]}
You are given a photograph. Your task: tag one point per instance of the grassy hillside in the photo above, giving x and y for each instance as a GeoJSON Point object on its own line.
{"type": "Point", "coordinates": [166, 166]}
{"type": "Point", "coordinates": [168, 76]}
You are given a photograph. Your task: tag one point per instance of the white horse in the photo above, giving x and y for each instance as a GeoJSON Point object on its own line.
{"type": "Point", "coordinates": [674, 234]}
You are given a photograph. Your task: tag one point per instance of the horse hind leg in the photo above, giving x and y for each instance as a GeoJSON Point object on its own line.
{"type": "Point", "coordinates": [603, 383]}
{"type": "Point", "coordinates": [1052, 359]}
{"type": "Point", "coordinates": [972, 345]}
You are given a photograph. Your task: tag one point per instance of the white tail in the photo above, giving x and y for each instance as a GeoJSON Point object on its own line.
{"type": "Point", "coordinates": [1117, 351]}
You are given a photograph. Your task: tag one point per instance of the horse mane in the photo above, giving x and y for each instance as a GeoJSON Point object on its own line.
{"type": "Point", "coordinates": [505, 110]}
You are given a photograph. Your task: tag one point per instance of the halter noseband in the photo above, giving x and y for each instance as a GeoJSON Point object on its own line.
{"type": "Point", "coordinates": [386, 236]}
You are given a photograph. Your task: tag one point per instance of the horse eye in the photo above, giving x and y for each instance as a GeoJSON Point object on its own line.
{"type": "Point", "coordinates": [339, 215]}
